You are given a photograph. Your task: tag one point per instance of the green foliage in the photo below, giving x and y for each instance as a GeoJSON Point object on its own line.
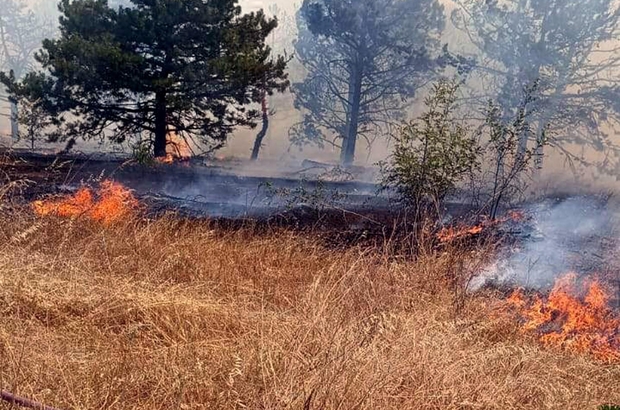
{"type": "Point", "coordinates": [189, 66]}
{"type": "Point", "coordinates": [510, 153]}
{"type": "Point", "coordinates": [435, 153]}
{"type": "Point", "coordinates": [609, 407]}
{"type": "Point", "coordinates": [35, 122]}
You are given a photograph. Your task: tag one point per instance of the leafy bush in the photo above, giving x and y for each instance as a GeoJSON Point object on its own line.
{"type": "Point", "coordinates": [433, 154]}
{"type": "Point", "coordinates": [508, 153]}
{"type": "Point", "coordinates": [436, 153]}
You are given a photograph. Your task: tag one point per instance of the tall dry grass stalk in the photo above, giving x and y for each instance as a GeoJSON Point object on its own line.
{"type": "Point", "coordinates": [173, 314]}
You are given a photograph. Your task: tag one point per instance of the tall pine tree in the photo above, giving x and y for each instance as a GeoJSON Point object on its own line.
{"type": "Point", "coordinates": [363, 59]}
{"type": "Point", "coordinates": [570, 49]}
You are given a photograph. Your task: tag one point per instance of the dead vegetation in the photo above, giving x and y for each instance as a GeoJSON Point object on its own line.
{"type": "Point", "coordinates": [175, 314]}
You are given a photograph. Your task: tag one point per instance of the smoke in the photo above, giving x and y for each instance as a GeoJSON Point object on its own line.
{"type": "Point", "coordinates": [569, 235]}
{"type": "Point", "coordinates": [241, 193]}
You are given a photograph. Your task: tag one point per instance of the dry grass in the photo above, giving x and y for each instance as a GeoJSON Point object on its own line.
{"type": "Point", "coordinates": [174, 315]}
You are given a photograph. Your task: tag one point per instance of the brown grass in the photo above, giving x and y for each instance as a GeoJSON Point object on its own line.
{"type": "Point", "coordinates": [182, 315]}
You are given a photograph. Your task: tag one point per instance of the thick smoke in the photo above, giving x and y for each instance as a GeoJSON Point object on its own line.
{"type": "Point", "coordinates": [570, 235]}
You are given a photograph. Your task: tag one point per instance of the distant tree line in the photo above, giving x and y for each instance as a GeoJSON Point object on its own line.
{"type": "Point", "coordinates": [365, 59]}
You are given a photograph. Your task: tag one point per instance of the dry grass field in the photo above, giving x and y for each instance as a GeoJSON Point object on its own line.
{"type": "Point", "coordinates": [171, 314]}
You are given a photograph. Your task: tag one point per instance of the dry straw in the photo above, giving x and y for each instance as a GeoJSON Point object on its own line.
{"type": "Point", "coordinates": [177, 314]}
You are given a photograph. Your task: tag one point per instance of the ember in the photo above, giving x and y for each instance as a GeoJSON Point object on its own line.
{"type": "Point", "coordinates": [563, 320]}
{"type": "Point", "coordinates": [113, 202]}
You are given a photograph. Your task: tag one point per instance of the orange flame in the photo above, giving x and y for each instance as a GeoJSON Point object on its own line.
{"type": "Point", "coordinates": [168, 159]}
{"type": "Point", "coordinates": [177, 149]}
{"type": "Point", "coordinates": [113, 202]}
{"type": "Point", "coordinates": [453, 233]}
{"type": "Point", "coordinates": [564, 321]}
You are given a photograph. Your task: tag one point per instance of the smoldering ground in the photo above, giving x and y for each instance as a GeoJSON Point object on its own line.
{"type": "Point", "coordinates": [561, 235]}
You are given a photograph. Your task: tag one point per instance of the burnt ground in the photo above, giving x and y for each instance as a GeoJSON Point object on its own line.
{"type": "Point", "coordinates": [218, 191]}
{"type": "Point", "coordinates": [347, 209]}
{"type": "Point", "coordinates": [212, 186]}
{"type": "Point", "coordinates": [343, 213]}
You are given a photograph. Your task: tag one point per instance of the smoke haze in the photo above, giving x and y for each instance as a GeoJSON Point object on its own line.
{"type": "Point", "coordinates": [576, 234]}
{"type": "Point", "coordinates": [277, 147]}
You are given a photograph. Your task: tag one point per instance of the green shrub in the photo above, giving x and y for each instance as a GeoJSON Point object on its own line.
{"type": "Point", "coordinates": [508, 150]}
{"type": "Point", "coordinates": [433, 154]}
{"type": "Point", "coordinates": [436, 154]}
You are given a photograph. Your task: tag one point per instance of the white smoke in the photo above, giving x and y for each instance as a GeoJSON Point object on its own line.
{"type": "Point", "coordinates": [570, 235]}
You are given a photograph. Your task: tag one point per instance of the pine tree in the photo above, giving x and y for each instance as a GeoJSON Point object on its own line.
{"type": "Point", "coordinates": [569, 48]}
{"type": "Point", "coordinates": [189, 67]}
{"type": "Point", "coordinates": [363, 59]}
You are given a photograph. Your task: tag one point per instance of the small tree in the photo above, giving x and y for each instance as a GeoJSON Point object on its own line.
{"type": "Point", "coordinates": [509, 160]}
{"type": "Point", "coordinates": [21, 33]}
{"type": "Point", "coordinates": [281, 43]}
{"type": "Point", "coordinates": [35, 121]}
{"type": "Point", "coordinates": [435, 153]}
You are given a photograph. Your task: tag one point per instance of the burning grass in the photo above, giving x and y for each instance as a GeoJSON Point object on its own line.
{"type": "Point", "coordinates": [462, 231]}
{"type": "Point", "coordinates": [111, 203]}
{"type": "Point", "coordinates": [563, 319]}
{"type": "Point", "coordinates": [187, 315]}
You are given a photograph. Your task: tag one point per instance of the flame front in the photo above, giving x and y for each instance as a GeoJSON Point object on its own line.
{"type": "Point", "coordinates": [111, 203]}
{"type": "Point", "coordinates": [563, 320]}
{"type": "Point", "coordinates": [451, 233]}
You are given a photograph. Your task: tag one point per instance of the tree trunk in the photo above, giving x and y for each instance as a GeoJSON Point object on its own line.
{"type": "Point", "coordinates": [522, 147]}
{"type": "Point", "coordinates": [258, 142]}
{"type": "Point", "coordinates": [347, 154]}
{"type": "Point", "coordinates": [14, 120]}
{"type": "Point", "coordinates": [161, 125]}
{"type": "Point", "coordinates": [547, 119]}
{"type": "Point", "coordinates": [540, 145]}
{"type": "Point", "coordinates": [345, 146]}
{"type": "Point", "coordinates": [345, 140]}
